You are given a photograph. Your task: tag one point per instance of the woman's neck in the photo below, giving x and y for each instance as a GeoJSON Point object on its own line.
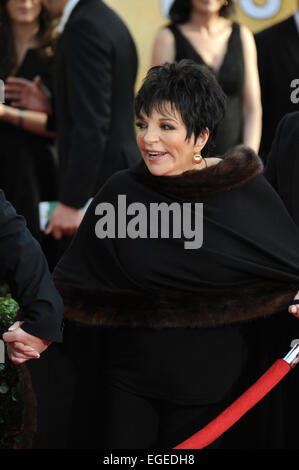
{"type": "Point", "coordinates": [25, 34]}
{"type": "Point", "coordinates": [207, 21]}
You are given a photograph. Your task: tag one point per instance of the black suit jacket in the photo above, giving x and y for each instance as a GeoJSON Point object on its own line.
{"type": "Point", "coordinates": [278, 63]}
{"type": "Point", "coordinates": [24, 267]}
{"type": "Point", "coordinates": [94, 76]}
{"type": "Point", "coordinates": [282, 168]}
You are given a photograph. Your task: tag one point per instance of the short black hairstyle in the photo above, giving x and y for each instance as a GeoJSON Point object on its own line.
{"type": "Point", "coordinates": [180, 10]}
{"type": "Point", "coordinates": [190, 88]}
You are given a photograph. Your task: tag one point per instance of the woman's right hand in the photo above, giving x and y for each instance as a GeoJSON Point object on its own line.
{"type": "Point", "coordinates": [27, 94]}
{"type": "Point", "coordinates": [22, 346]}
{"type": "Point", "coordinates": [294, 308]}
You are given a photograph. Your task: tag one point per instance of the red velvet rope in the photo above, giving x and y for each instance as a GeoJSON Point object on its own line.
{"type": "Point", "coordinates": [238, 408]}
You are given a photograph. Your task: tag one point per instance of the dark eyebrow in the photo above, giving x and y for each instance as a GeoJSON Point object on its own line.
{"type": "Point", "coordinates": [139, 116]}
{"type": "Point", "coordinates": [168, 119]}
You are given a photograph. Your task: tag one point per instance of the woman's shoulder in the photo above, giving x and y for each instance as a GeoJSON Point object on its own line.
{"type": "Point", "coordinates": [246, 33]}
{"type": "Point", "coordinates": [121, 177]}
{"type": "Point", "coordinates": [165, 35]}
{"type": "Point", "coordinates": [164, 46]}
{"type": "Point", "coordinates": [248, 44]}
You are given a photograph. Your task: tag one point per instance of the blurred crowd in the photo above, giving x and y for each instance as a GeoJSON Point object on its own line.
{"type": "Point", "coordinates": [69, 69]}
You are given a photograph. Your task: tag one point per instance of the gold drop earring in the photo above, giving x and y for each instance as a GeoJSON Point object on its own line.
{"type": "Point", "coordinates": [197, 158]}
{"type": "Point", "coordinates": [225, 3]}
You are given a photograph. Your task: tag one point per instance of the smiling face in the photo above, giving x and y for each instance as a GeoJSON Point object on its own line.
{"type": "Point", "coordinates": [162, 141]}
{"type": "Point", "coordinates": [23, 11]}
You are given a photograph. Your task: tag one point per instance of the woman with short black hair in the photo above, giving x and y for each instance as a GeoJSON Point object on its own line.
{"type": "Point", "coordinates": [173, 257]}
{"type": "Point", "coordinates": [165, 85]}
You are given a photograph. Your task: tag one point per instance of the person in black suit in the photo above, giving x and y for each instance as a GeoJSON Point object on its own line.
{"type": "Point", "coordinates": [282, 169]}
{"type": "Point", "coordinates": [24, 268]}
{"type": "Point", "coordinates": [278, 63]}
{"type": "Point", "coordinates": [282, 172]}
{"type": "Point", "coordinates": [94, 75]}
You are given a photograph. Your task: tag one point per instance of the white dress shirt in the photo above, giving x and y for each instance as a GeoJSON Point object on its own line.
{"type": "Point", "coordinates": [66, 14]}
{"type": "Point", "coordinates": [296, 18]}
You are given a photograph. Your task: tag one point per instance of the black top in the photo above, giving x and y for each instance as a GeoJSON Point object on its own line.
{"type": "Point", "coordinates": [282, 168]}
{"type": "Point", "coordinates": [278, 63]}
{"type": "Point", "coordinates": [234, 223]}
{"type": "Point", "coordinates": [28, 172]}
{"type": "Point", "coordinates": [231, 78]}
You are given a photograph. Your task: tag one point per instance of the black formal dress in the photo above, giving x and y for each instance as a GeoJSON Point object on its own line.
{"type": "Point", "coordinates": [278, 64]}
{"type": "Point", "coordinates": [28, 164]}
{"type": "Point", "coordinates": [231, 78]}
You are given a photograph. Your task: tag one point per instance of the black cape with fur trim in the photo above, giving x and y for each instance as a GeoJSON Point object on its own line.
{"type": "Point", "coordinates": [247, 267]}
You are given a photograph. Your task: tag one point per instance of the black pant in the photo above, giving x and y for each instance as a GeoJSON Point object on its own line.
{"type": "Point", "coordinates": [131, 421]}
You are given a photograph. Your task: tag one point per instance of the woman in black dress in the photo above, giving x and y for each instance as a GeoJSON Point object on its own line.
{"type": "Point", "coordinates": [169, 298]}
{"type": "Point", "coordinates": [201, 31]}
{"type": "Point", "coordinates": [28, 170]}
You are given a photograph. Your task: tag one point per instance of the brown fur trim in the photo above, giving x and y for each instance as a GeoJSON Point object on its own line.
{"type": "Point", "coordinates": [238, 166]}
{"type": "Point", "coordinates": [117, 308]}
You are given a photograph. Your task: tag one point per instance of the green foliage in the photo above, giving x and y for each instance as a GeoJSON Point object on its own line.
{"type": "Point", "coordinates": [11, 383]}
{"type": "Point", "coordinates": [8, 311]}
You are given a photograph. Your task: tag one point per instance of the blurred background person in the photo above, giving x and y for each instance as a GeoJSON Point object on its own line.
{"type": "Point", "coordinates": [23, 266]}
{"type": "Point", "coordinates": [278, 63]}
{"type": "Point", "coordinates": [28, 167]}
{"type": "Point", "coordinates": [202, 31]}
{"type": "Point", "coordinates": [282, 171]}
{"type": "Point", "coordinates": [282, 168]}
{"type": "Point", "coordinates": [94, 74]}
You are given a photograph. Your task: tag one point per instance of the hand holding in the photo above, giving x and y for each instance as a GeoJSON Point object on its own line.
{"type": "Point", "coordinates": [65, 220]}
{"type": "Point", "coordinates": [22, 346]}
{"type": "Point", "coordinates": [294, 308]}
{"type": "Point", "coordinates": [27, 94]}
